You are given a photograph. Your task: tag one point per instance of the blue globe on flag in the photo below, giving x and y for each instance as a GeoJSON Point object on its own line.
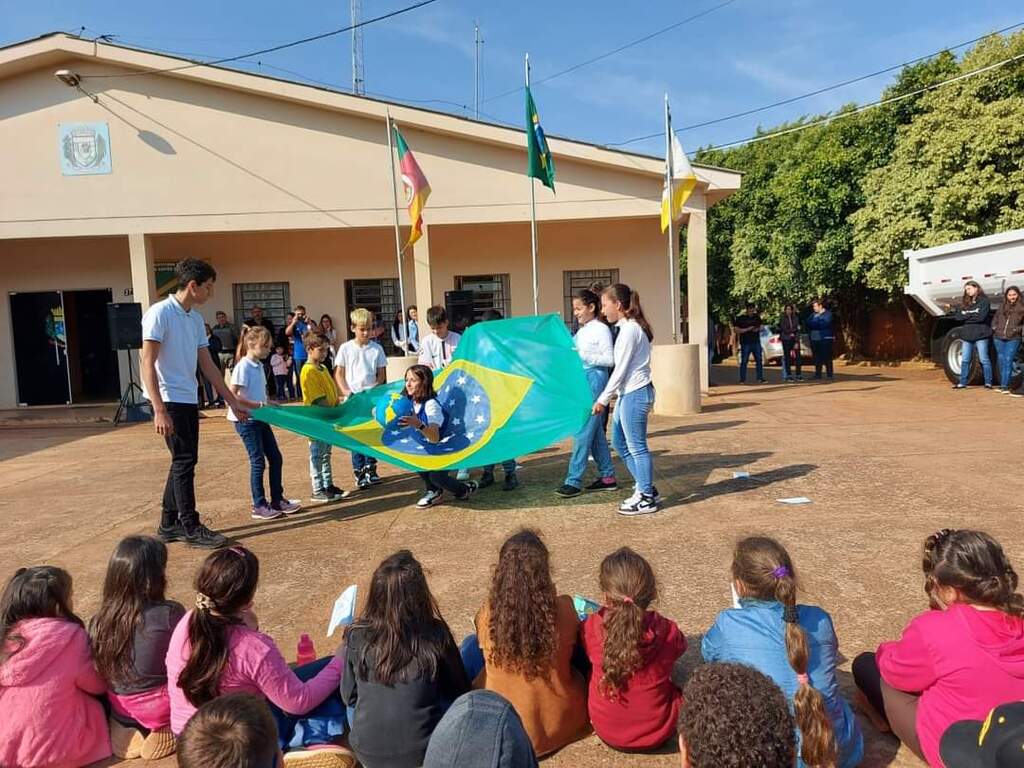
{"type": "Point", "coordinates": [390, 408]}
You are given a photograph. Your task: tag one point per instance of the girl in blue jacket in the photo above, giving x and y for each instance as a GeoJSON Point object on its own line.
{"type": "Point", "coordinates": [795, 645]}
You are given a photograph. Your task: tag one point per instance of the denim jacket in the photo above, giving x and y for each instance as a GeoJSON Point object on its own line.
{"type": "Point", "coordinates": [755, 635]}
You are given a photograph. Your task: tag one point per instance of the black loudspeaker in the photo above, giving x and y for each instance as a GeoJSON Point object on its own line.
{"type": "Point", "coordinates": [459, 306]}
{"type": "Point", "coordinates": [124, 322]}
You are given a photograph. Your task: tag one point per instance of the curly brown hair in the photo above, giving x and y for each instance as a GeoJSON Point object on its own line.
{"type": "Point", "coordinates": [765, 570]}
{"type": "Point", "coordinates": [627, 581]}
{"type": "Point", "coordinates": [736, 717]}
{"type": "Point", "coordinates": [523, 608]}
{"type": "Point", "coordinates": [975, 565]}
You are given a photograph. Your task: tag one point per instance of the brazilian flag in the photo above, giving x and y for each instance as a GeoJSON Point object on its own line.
{"type": "Point", "coordinates": [513, 387]}
{"type": "Point", "coordinates": [540, 164]}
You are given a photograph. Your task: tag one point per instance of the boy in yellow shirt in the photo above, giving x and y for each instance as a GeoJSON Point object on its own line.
{"type": "Point", "coordinates": [318, 389]}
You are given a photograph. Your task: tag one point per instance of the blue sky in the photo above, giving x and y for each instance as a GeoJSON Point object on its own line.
{"type": "Point", "coordinates": [746, 54]}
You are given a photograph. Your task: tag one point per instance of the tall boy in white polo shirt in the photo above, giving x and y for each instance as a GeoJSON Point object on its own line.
{"type": "Point", "coordinates": [360, 365]}
{"type": "Point", "coordinates": [173, 343]}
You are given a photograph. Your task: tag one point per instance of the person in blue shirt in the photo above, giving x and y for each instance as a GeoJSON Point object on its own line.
{"type": "Point", "coordinates": [296, 329]}
{"type": "Point", "coordinates": [819, 326]}
{"type": "Point", "coordinates": [795, 645]}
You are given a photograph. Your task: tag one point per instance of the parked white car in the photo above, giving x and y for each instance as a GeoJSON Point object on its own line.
{"type": "Point", "coordinates": [771, 346]}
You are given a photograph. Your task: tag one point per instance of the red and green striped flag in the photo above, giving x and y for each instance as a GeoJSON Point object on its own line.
{"type": "Point", "coordinates": [417, 189]}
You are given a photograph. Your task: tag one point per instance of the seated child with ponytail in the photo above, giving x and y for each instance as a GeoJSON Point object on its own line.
{"type": "Point", "coordinates": [956, 661]}
{"type": "Point", "coordinates": [795, 645]}
{"type": "Point", "coordinates": [632, 702]}
{"type": "Point", "coordinates": [217, 649]}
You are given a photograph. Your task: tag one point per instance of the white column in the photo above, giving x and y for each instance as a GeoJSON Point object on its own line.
{"type": "Point", "coordinates": [140, 251]}
{"type": "Point", "coordinates": [697, 280]}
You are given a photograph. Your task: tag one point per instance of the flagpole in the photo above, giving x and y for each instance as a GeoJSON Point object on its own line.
{"type": "Point", "coordinates": [673, 284]}
{"type": "Point", "coordinates": [533, 216]}
{"type": "Point", "coordinates": [403, 333]}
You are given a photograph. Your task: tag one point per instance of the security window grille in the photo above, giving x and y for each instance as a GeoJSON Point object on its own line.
{"type": "Point", "coordinates": [489, 292]}
{"type": "Point", "coordinates": [575, 280]}
{"type": "Point", "coordinates": [273, 297]}
{"type": "Point", "coordinates": [380, 297]}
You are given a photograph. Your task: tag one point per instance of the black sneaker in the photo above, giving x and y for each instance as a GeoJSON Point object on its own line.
{"type": "Point", "coordinates": [171, 533]}
{"type": "Point", "coordinates": [511, 482]}
{"type": "Point", "coordinates": [486, 479]}
{"type": "Point", "coordinates": [601, 485]}
{"type": "Point", "coordinates": [363, 480]}
{"type": "Point", "coordinates": [568, 491]}
{"type": "Point", "coordinates": [202, 537]}
{"type": "Point", "coordinates": [334, 493]}
{"type": "Point", "coordinates": [471, 488]}
{"type": "Point", "coordinates": [375, 479]}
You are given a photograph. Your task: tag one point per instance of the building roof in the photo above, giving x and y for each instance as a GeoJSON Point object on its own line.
{"type": "Point", "coordinates": [95, 57]}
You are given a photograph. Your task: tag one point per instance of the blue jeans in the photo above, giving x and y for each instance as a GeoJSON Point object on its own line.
{"type": "Point", "coordinates": [965, 361]}
{"type": "Point", "coordinates": [472, 656]}
{"type": "Point", "coordinates": [790, 347]}
{"type": "Point", "coordinates": [283, 382]}
{"type": "Point", "coordinates": [443, 481]}
{"type": "Point", "coordinates": [1006, 353]}
{"type": "Point", "coordinates": [822, 350]}
{"type": "Point", "coordinates": [320, 465]}
{"type": "Point", "coordinates": [591, 439]}
{"type": "Point", "coordinates": [508, 466]}
{"type": "Point", "coordinates": [629, 435]}
{"type": "Point", "coordinates": [321, 725]}
{"type": "Point", "coordinates": [261, 445]}
{"type": "Point", "coordinates": [361, 462]}
{"type": "Point", "coordinates": [748, 348]}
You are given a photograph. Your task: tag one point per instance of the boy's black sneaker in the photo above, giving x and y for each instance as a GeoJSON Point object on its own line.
{"type": "Point", "coordinates": [171, 533]}
{"type": "Point", "coordinates": [375, 479]}
{"type": "Point", "coordinates": [601, 485]}
{"type": "Point", "coordinates": [486, 479]}
{"type": "Point", "coordinates": [202, 537]}
{"type": "Point", "coordinates": [363, 480]}
{"type": "Point", "coordinates": [334, 493]}
{"type": "Point", "coordinates": [511, 482]}
{"type": "Point", "coordinates": [568, 491]}
{"type": "Point", "coordinates": [471, 488]}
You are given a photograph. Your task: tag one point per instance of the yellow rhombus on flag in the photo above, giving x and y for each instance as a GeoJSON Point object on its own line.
{"type": "Point", "coordinates": [683, 182]}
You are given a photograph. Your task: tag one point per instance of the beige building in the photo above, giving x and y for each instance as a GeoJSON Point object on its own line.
{"type": "Point", "coordinates": [285, 189]}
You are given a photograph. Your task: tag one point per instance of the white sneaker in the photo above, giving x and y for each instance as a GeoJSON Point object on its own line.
{"type": "Point", "coordinates": [633, 499]}
{"type": "Point", "coordinates": [462, 475]}
{"type": "Point", "coordinates": [645, 505]}
{"type": "Point", "coordinates": [429, 499]}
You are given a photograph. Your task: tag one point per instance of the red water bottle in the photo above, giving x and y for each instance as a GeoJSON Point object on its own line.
{"type": "Point", "coordinates": [305, 653]}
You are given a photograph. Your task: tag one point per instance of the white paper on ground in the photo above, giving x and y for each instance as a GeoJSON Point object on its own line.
{"type": "Point", "coordinates": [344, 610]}
{"type": "Point", "coordinates": [740, 475]}
{"type": "Point", "coordinates": [735, 597]}
{"type": "Point", "coordinates": [795, 500]}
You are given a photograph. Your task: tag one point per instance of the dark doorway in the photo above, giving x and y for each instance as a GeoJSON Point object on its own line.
{"type": "Point", "coordinates": [93, 364]}
{"type": "Point", "coordinates": [40, 348]}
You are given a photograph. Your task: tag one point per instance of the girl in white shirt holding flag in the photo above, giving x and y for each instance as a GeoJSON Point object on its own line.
{"type": "Point", "coordinates": [631, 381]}
{"type": "Point", "coordinates": [595, 347]}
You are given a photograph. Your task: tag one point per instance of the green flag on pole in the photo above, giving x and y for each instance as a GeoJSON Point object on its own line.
{"type": "Point", "coordinates": [513, 387]}
{"type": "Point", "coordinates": [541, 165]}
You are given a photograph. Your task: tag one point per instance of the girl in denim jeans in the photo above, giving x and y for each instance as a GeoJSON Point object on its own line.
{"type": "Point", "coordinates": [631, 381]}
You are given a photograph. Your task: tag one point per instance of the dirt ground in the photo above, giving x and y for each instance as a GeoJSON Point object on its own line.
{"type": "Point", "coordinates": [887, 455]}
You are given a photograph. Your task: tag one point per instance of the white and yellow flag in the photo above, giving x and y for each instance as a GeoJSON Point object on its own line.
{"type": "Point", "coordinates": [678, 169]}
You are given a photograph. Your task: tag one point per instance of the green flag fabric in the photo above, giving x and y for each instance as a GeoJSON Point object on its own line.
{"type": "Point", "coordinates": [540, 164]}
{"type": "Point", "coordinates": [513, 387]}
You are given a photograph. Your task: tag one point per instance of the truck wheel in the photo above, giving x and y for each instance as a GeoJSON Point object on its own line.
{"type": "Point", "coordinates": [952, 354]}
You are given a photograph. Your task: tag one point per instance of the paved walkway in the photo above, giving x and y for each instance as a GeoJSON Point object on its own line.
{"type": "Point", "coordinates": [886, 455]}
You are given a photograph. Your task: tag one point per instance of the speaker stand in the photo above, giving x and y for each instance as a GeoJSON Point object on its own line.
{"type": "Point", "coordinates": [130, 409]}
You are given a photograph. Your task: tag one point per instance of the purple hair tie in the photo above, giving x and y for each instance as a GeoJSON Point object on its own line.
{"type": "Point", "coordinates": [781, 572]}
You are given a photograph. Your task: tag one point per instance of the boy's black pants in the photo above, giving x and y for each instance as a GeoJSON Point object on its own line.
{"type": "Point", "coordinates": [179, 502]}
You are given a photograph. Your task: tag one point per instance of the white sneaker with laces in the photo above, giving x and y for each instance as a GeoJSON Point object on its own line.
{"type": "Point", "coordinates": [430, 498]}
{"type": "Point", "coordinates": [645, 505]}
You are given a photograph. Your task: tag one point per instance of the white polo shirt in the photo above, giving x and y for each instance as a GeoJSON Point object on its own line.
{"type": "Point", "coordinates": [181, 335]}
{"type": "Point", "coordinates": [361, 364]}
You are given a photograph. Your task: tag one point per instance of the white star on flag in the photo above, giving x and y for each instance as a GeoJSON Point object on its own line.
{"type": "Point", "coordinates": [470, 435]}
{"type": "Point", "coordinates": [456, 422]}
{"type": "Point", "coordinates": [396, 432]}
{"type": "Point", "coordinates": [406, 440]}
{"type": "Point", "coordinates": [479, 419]}
{"type": "Point", "coordinates": [461, 380]}
{"type": "Point", "coordinates": [475, 399]}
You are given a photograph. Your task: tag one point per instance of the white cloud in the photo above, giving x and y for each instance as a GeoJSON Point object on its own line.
{"type": "Point", "coordinates": [774, 78]}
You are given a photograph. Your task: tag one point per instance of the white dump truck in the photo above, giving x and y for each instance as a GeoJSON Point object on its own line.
{"type": "Point", "coordinates": [936, 279]}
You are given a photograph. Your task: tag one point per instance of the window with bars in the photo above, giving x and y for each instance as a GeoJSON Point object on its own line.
{"type": "Point", "coordinates": [380, 296]}
{"type": "Point", "coordinates": [275, 299]}
{"type": "Point", "coordinates": [575, 280]}
{"type": "Point", "coordinates": [489, 292]}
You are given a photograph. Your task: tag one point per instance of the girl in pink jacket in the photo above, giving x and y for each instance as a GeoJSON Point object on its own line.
{"type": "Point", "coordinates": [956, 661]}
{"type": "Point", "coordinates": [52, 717]}
{"type": "Point", "coordinates": [217, 649]}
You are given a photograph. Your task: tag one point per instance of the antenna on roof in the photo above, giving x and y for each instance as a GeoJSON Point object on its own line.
{"type": "Point", "coordinates": [358, 80]}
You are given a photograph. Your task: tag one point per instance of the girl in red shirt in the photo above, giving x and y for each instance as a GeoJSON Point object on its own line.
{"type": "Point", "coordinates": [632, 701]}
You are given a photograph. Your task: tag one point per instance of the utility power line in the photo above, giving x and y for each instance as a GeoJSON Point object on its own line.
{"type": "Point", "coordinates": [273, 49]}
{"type": "Point", "coordinates": [614, 51]}
{"type": "Point", "coordinates": [851, 81]}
